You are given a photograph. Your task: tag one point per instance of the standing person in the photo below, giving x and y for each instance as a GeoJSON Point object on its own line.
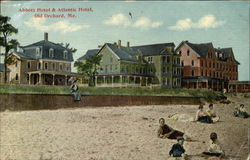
{"type": "Point", "coordinates": [241, 112]}
{"type": "Point", "coordinates": [75, 91]}
{"type": "Point", "coordinates": [178, 150]}
{"type": "Point", "coordinates": [201, 116]}
{"type": "Point", "coordinates": [167, 132]}
{"type": "Point", "coordinates": [211, 113]}
{"type": "Point", "coordinates": [215, 148]}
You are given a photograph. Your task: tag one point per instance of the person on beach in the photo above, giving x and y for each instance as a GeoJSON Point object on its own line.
{"type": "Point", "coordinates": [241, 112]}
{"type": "Point", "coordinates": [215, 148]}
{"type": "Point", "coordinates": [167, 132]}
{"type": "Point", "coordinates": [212, 114]}
{"type": "Point", "coordinates": [74, 89]}
{"type": "Point", "coordinates": [178, 150]}
{"type": "Point", "coordinates": [201, 116]}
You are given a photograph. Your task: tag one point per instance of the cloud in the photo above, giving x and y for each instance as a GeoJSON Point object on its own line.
{"type": "Point", "coordinates": [59, 26]}
{"type": "Point", "coordinates": [146, 23]}
{"type": "Point", "coordinates": [118, 19]}
{"type": "Point", "coordinates": [205, 22]}
{"type": "Point", "coordinates": [122, 20]}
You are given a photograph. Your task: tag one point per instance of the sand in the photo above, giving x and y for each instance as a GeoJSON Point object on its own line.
{"type": "Point", "coordinates": [116, 133]}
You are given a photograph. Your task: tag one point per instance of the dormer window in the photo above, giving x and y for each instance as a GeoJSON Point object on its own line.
{"type": "Point", "coordinates": [51, 53]}
{"type": "Point", "coordinates": [37, 51]}
{"type": "Point", "coordinates": [65, 54]}
{"type": "Point", "coordinates": [188, 52]}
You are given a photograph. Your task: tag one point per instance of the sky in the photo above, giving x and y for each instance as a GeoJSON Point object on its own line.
{"type": "Point", "coordinates": [224, 23]}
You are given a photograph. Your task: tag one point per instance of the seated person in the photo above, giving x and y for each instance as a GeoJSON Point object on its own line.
{"type": "Point", "coordinates": [177, 149]}
{"type": "Point", "coordinates": [211, 113]}
{"type": "Point", "coordinates": [201, 116]}
{"type": "Point", "coordinates": [241, 112]}
{"type": "Point", "coordinates": [167, 132]}
{"type": "Point", "coordinates": [215, 148]}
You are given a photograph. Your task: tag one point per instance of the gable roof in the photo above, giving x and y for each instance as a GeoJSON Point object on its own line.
{"type": "Point", "coordinates": [201, 48]}
{"type": "Point", "coordinates": [130, 53]}
{"type": "Point", "coordinates": [44, 45]}
{"type": "Point", "coordinates": [2, 68]}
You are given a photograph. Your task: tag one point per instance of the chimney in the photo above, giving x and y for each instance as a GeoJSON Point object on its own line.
{"type": "Point", "coordinates": [119, 43]}
{"type": "Point", "coordinates": [46, 36]}
{"type": "Point", "coordinates": [128, 44]}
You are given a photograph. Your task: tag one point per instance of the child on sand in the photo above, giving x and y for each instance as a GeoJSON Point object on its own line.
{"type": "Point", "coordinates": [212, 114]}
{"type": "Point", "coordinates": [202, 116]}
{"type": "Point", "coordinates": [167, 132]}
{"type": "Point", "coordinates": [241, 112]}
{"type": "Point", "coordinates": [178, 150]}
{"type": "Point", "coordinates": [215, 148]}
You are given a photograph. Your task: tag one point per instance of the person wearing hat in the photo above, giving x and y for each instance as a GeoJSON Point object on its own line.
{"type": "Point", "coordinates": [167, 132]}
{"type": "Point", "coordinates": [202, 116]}
{"type": "Point", "coordinates": [215, 147]}
{"type": "Point", "coordinates": [177, 149]}
{"type": "Point", "coordinates": [241, 112]}
{"type": "Point", "coordinates": [75, 91]}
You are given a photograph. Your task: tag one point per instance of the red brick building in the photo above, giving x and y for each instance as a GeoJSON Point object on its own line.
{"type": "Point", "coordinates": [204, 66]}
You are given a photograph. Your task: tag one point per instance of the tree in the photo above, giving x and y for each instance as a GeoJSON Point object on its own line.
{"type": "Point", "coordinates": [7, 30]}
{"type": "Point", "coordinates": [66, 45]}
{"type": "Point", "coordinates": [89, 68]}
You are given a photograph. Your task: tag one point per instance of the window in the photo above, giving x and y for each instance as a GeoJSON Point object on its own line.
{"type": "Point", "coordinates": [192, 72]}
{"type": "Point", "coordinates": [37, 51]}
{"type": "Point", "coordinates": [16, 64]}
{"type": "Point", "coordinates": [28, 65]}
{"type": "Point", "coordinates": [60, 67]}
{"type": "Point", "coordinates": [53, 66]}
{"type": "Point", "coordinates": [182, 63]}
{"type": "Point", "coordinates": [163, 59]}
{"type": "Point", "coordinates": [110, 67]}
{"type": "Point", "coordinates": [201, 72]}
{"type": "Point", "coordinates": [179, 52]}
{"type": "Point", "coordinates": [192, 62]}
{"type": "Point", "coordinates": [163, 70]}
{"type": "Point", "coordinates": [46, 65]}
{"type": "Point", "coordinates": [51, 53]}
{"type": "Point", "coordinates": [111, 59]}
{"type": "Point", "coordinates": [188, 52]}
{"type": "Point", "coordinates": [201, 63]}
{"type": "Point", "coordinates": [168, 59]}
{"type": "Point", "coordinates": [39, 65]}
{"type": "Point", "coordinates": [16, 76]}
{"type": "Point", "coordinates": [27, 77]}
{"type": "Point", "coordinates": [65, 54]}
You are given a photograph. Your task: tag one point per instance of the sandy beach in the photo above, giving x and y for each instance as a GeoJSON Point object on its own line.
{"type": "Point", "coordinates": [117, 133]}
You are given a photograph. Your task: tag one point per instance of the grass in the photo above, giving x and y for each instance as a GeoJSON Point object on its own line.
{"type": "Point", "coordinates": [183, 92]}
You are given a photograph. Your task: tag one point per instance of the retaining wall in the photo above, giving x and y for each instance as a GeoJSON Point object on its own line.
{"type": "Point", "coordinates": [16, 102]}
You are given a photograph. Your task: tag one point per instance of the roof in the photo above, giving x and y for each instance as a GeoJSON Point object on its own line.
{"type": "Point", "coordinates": [227, 52]}
{"type": "Point", "coordinates": [130, 53]}
{"type": "Point", "coordinates": [88, 54]}
{"type": "Point", "coordinates": [201, 48]}
{"type": "Point", "coordinates": [2, 68]}
{"type": "Point", "coordinates": [44, 45]}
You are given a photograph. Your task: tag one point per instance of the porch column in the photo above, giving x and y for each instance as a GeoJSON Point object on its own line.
{"type": "Point", "coordinates": [140, 81]}
{"type": "Point", "coordinates": [120, 79]}
{"type": "Point", "coordinates": [53, 79]}
{"type": "Point", "coordinates": [197, 84]}
{"type": "Point", "coordinates": [207, 84]}
{"type": "Point", "coordinates": [134, 80]}
{"type": "Point", "coordinates": [104, 77]}
{"type": "Point", "coordinates": [40, 78]}
{"type": "Point", "coordinates": [146, 81]}
{"type": "Point", "coordinates": [29, 78]}
{"type": "Point", "coordinates": [66, 80]}
{"type": "Point", "coordinates": [96, 81]}
{"type": "Point", "coordinates": [112, 80]}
